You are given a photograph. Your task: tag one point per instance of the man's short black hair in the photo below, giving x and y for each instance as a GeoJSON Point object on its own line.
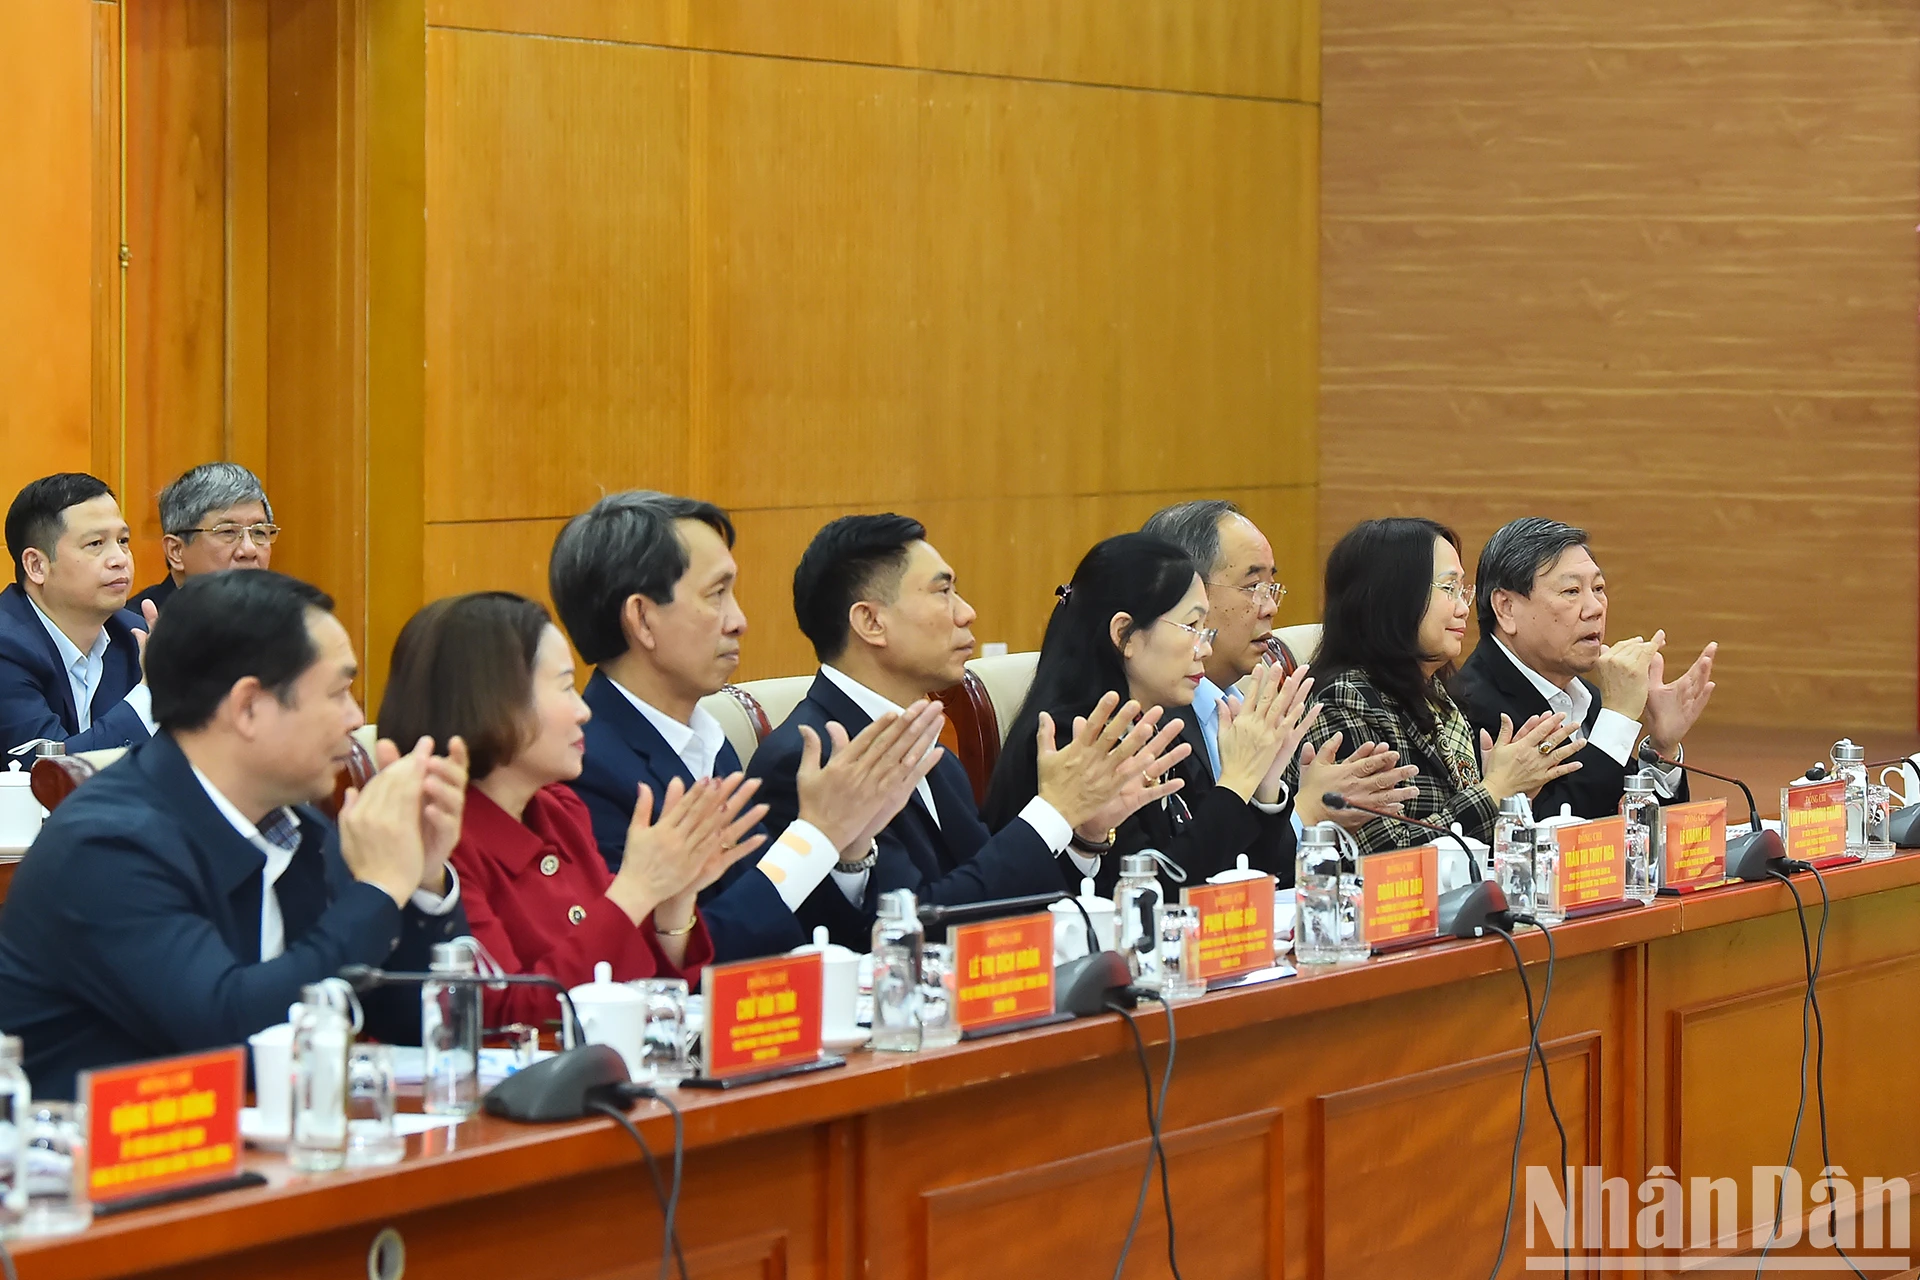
{"type": "Point", "coordinates": [221, 628]}
{"type": "Point", "coordinates": [623, 546]}
{"type": "Point", "coordinates": [37, 517]}
{"type": "Point", "coordinates": [851, 559]}
{"type": "Point", "coordinates": [1518, 552]}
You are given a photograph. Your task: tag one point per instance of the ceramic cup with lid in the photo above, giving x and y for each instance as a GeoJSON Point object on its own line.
{"type": "Point", "coordinates": [614, 1014]}
{"type": "Point", "coordinates": [839, 986]}
{"type": "Point", "coordinates": [1070, 927]}
{"type": "Point", "coordinates": [20, 813]}
{"type": "Point", "coordinates": [1239, 871]}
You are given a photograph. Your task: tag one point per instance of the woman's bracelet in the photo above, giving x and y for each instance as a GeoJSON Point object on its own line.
{"type": "Point", "coordinates": [693, 922]}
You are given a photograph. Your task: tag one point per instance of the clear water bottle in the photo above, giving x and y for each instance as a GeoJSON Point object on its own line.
{"type": "Point", "coordinates": [450, 1033]}
{"type": "Point", "coordinates": [1138, 901]}
{"type": "Point", "coordinates": [1317, 924]}
{"type": "Point", "coordinates": [1640, 806]}
{"type": "Point", "coordinates": [1850, 763]}
{"type": "Point", "coordinates": [1513, 867]}
{"type": "Point", "coordinates": [324, 1024]}
{"type": "Point", "coordinates": [898, 941]}
{"type": "Point", "coordinates": [1516, 814]}
{"type": "Point", "coordinates": [16, 1107]}
{"type": "Point", "coordinates": [1549, 900]}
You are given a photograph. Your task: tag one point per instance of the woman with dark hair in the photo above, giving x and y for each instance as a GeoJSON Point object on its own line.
{"type": "Point", "coordinates": [1396, 615]}
{"type": "Point", "coordinates": [1132, 624]}
{"type": "Point", "coordinates": [494, 669]}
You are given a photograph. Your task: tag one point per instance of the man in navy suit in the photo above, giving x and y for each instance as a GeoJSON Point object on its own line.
{"type": "Point", "coordinates": [69, 650]}
{"type": "Point", "coordinates": [182, 898]}
{"type": "Point", "coordinates": [890, 627]}
{"type": "Point", "coordinates": [643, 583]}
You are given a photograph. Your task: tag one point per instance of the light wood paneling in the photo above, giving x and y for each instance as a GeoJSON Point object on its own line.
{"type": "Point", "coordinates": [177, 242]}
{"type": "Point", "coordinates": [1650, 273]}
{"type": "Point", "coordinates": [1028, 313]}
{"type": "Point", "coordinates": [48, 242]}
{"type": "Point", "coordinates": [556, 273]}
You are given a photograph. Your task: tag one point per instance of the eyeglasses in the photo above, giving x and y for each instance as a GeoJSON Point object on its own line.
{"type": "Point", "coordinates": [1203, 637]}
{"type": "Point", "coordinates": [1457, 592]}
{"type": "Point", "coordinates": [1271, 592]}
{"type": "Point", "coordinates": [229, 535]}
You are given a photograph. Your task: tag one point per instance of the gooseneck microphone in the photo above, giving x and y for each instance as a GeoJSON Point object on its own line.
{"type": "Point", "coordinates": [1466, 911]}
{"type": "Point", "coordinates": [364, 977]}
{"type": "Point", "coordinates": [1760, 853]}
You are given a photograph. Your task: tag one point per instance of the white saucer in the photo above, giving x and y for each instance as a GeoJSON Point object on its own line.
{"type": "Point", "coordinates": [848, 1043]}
{"type": "Point", "coordinates": [254, 1129]}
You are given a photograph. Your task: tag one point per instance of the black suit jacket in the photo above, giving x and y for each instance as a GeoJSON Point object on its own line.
{"type": "Point", "coordinates": [132, 928]}
{"type": "Point", "coordinates": [744, 912]}
{"type": "Point", "coordinates": [1490, 686]}
{"type": "Point", "coordinates": [953, 861]}
{"type": "Point", "coordinates": [159, 593]}
{"type": "Point", "coordinates": [36, 698]}
{"type": "Point", "coordinates": [1203, 827]}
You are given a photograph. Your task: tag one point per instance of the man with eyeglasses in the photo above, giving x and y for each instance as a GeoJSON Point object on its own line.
{"type": "Point", "coordinates": [1237, 563]}
{"type": "Point", "coordinates": [214, 518]}
{"type": "Point", "coordinates": [1543, 624]}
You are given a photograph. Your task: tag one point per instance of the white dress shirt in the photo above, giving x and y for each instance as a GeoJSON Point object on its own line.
{"type": "Point", "coordinates": [86, 670]}
{"type": "Point", "coordinates": [1038, 814]}
{"type": "Point", "coordinates": [273, 928]}
{"type": "Point", "coordinates": [801, 858]}
{"type": "Point", "coordinates": [1612, 732]}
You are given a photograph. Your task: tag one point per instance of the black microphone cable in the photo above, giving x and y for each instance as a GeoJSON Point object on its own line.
{"type": "Point", "coordinates": [1814, 956]}
{"type": "Point", "coordinates": [1155, 1149]}
{"type": "Point", "coordinates": [669, 1201]}
{"type": "Point", "coordinates": [1806, 1046]}
{"type": "Point", "coordinates": [1526, 1078]}
{"type": "Point", "coordinates": [1553, 1108]}
{"type": "Point", "coordinates": [6, 1255]}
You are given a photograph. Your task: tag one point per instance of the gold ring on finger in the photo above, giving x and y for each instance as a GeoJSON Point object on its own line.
{"type": "Point", "coordinates": [1546, 748]}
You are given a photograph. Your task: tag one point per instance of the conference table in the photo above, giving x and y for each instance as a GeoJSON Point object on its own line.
{"type": "Point", "coordinates": [1353, 1121]}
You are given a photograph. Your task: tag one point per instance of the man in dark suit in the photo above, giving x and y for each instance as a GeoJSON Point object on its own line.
{"type": "Point", "coordinates": [69, 650]}
{"type": "Point", "coordinates": [1543, 622]}
{"type": "Point", "coordinates": [181, 899]}
{"type": "Point", "coordinates": [213, 518]}
{"type": "Point", "coordinates": [643, 583]}
{"type": "Point", "coordinates": [890, 628]}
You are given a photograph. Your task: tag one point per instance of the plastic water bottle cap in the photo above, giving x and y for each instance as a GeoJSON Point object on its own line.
{"type": "Point", "coordinates": [602, 972]}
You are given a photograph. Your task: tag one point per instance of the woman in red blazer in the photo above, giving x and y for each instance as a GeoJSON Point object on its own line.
{"type": "Point", "coordinates": [492, 668]}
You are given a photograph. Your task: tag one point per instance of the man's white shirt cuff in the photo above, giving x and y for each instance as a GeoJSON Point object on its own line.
{"type": "Point", "coordinates": [798, 861]}
{"type": "Point", "coordinates": [1047, 823]}
{"type": "Point", "coordinates": [435, 904]}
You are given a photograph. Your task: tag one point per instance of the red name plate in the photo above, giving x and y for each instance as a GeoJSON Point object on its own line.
{"type": "Point", "coordinates": [157, 1126]}
{"type": "Point", "coordinates": [1003, 971]}
{"type": "Point", "coordinates": [1815, 818]}
{"type": "Point", "coordinates": [1694, 837]}
{"type": "Point", "coordinates": [1400, 896]}
{"type": "Point", "coordinates": [1593, 863]}
{"type": "Point", "coordinates": [1236, 927]}
{"type": "Point", "coordinates": [762, 1015]}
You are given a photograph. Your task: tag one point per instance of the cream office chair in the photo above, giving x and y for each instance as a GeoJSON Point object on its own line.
{"type": "Point", "coordinates": [749, 712]}
{"type": "Point", "coordinates": [1007, 678]}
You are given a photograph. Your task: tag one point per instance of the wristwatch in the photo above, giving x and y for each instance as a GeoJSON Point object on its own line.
{"type": "Point", "coordinates": [863, 864]}
{"type": "Point", "coordinates": [1088, 847]}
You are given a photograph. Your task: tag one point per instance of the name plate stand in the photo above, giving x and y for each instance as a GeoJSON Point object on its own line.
{"type": "Point", "coordinates": [1813, 821]}
{"type": "Point", "coordinates": [164, 1130]}
{"type": "Point", "coordinates": [1003, 975]}
{"type": "Point", "coordinates": [1236, 929]}
{"type": "Point", "coordinates": [1400, 898]}
{"type": "Point", "coordinates": [763, 1022]}
{"type": "Point", "coordinates": [1593, 867]}
{"type": "Point", "coordinates": [1693, 846]}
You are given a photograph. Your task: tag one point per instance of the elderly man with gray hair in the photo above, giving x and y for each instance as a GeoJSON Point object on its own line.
{"type": "Point", "coordinates": [214, 518]}
{"type": "Point", "coordinates": [1237, 564]}
{"type": "Point", "coordinates": [1542, 603]}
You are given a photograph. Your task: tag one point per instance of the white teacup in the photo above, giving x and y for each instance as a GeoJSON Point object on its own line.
{"type": "Point", "coordinates": [613, 1014]}
{"type": "Point", "coordinates": [272, 1050]}
{"type": "Point", "coordinates": [1907, 790]}
{"type": "Point", "coordinates": [1070, 927]}
{"type": "Point", "coordinates": [839, 986]}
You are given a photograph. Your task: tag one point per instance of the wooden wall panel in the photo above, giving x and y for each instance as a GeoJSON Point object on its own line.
{"type": "Point", "coordinates": [1648, 272]}
{"type": "Point", "coordinates": [557, 272]}
{"type": "Point", "coordinates": [49, 113]}
{"type": "Point", "coordinates": [177, 248]}
{"type": "Point", "coordinates": [800, 286]}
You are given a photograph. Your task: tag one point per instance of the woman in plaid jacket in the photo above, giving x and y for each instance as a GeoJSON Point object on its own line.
{"type": "Point", "coordinates": [1396, 616]}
